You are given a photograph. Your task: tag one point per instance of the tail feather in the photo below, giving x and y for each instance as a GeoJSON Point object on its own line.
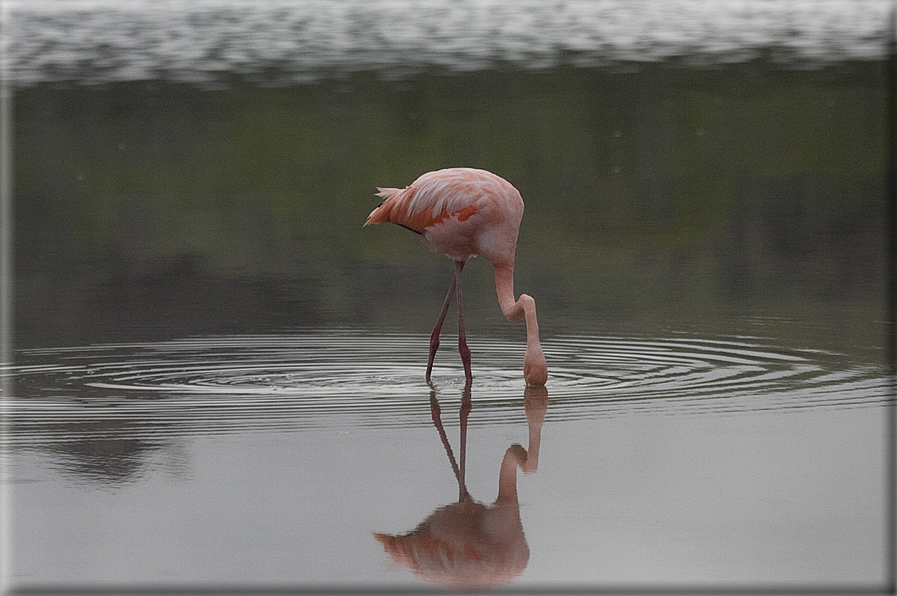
{"type": "Point", "coordinates": [376, 217]}
{"type": "Point", "coordinates": [388, 192]}
{"type": "Point", "coordinates": [381, 214]}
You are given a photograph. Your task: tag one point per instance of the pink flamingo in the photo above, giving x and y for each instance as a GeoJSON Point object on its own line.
{"type": "Point", "coordinates": [470, 545]}
{"type": "Point", "coordinates": [463, 212]}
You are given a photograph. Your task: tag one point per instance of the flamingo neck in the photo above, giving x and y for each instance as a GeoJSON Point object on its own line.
{"type": "Point", "coordinates": [514, 457]}
{"type": "Point", "coordinates": [504, 287]}
{"type": "Point", "coordinates": [535, 400]}
{"type": "Point", "coordinates": [535, 370]}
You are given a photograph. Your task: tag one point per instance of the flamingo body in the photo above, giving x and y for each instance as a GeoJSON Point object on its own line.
{"type": "Point", "coordinates": [459, 212]}
{"type": "Point", "coordinates": [463, 212]}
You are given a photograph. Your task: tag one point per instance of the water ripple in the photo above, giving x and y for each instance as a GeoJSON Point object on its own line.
{"type": "Point", "coordinates": [345, 380]}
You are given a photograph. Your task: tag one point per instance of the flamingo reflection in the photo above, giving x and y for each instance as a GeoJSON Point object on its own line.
{"type": "Point", "coordinates": [468, 544]}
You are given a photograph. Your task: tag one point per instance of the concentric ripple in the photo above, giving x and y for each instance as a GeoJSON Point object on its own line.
{"type": "Point", "coordinates": [347, 380]}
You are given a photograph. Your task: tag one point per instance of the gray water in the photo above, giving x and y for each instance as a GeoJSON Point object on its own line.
{"type": "Point", "coordinates": [218, 375]}
{"type": "Point", "coordinates": [256, 461]}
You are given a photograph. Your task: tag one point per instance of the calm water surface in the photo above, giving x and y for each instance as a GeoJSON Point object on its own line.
{"type": "Point", "coordinates": [218, 375]}
{"type": "Point", "coordinates": [251, 460]}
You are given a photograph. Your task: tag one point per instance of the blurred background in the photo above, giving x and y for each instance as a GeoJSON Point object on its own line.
{"type": "Point", "coordinates": [205, 167]}
{"type": "Point", "coordinates": [219, 372]}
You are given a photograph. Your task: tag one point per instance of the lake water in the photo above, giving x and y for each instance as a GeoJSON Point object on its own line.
{"type": "Point", "coordinates": [273, 460]}
{"type": "Point", "coordinates": [280, 41]}
{"type": "Point", "coordinates": [218, 375]}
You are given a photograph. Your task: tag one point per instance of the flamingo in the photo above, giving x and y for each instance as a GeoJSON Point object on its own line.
{"type": "Point", "coordinates": [468, 544]}
{"type": "Point", "coordinates": [464, 212]}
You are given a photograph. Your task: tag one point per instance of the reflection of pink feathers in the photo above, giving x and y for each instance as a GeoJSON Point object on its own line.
{"type": "Point", "coordinates": [473, 558]}
{"type": "Point", "coordinates": [467, 544]}
{"type": "Point", "coordinates": [459, 212]}
{"type": "Point", "coordinates": [462, 212]}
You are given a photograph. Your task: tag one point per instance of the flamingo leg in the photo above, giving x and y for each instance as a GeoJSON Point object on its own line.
{"type": "Point", "coordinates": [434, 337]}
{"type": "Point", "coordinates": [436, 414]}
{"type": "Point", "coordinates": [466, 405]}
{"type": "Point", "coordinates": [462, 336]}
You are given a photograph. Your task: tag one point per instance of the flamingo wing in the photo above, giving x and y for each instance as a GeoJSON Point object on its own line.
{"type": "Point", "coordinates": [430, 199]}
